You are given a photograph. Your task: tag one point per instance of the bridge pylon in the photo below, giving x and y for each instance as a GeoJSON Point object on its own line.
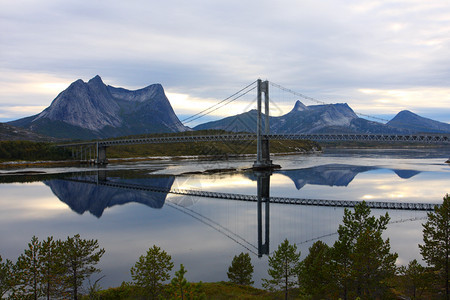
{"type": "Point", "coordinates": [263, 160]}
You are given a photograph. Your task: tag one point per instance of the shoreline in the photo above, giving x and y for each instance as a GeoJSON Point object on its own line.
{"type": "Point", "coordinates": [21, 165]}
{"type": "Point", "coordinates": [12, 165]}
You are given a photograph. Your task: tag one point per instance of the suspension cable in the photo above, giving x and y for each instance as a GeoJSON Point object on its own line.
{"type": "Point", "coordinates": [237, 97]}
{"type": "Point", "coordinates": [218, 105]}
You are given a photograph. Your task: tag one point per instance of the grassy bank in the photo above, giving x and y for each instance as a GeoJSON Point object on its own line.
{"type": "Point", "coordinates": [211, 290]}
{"type": "Point", "coordinates": [219, 149]}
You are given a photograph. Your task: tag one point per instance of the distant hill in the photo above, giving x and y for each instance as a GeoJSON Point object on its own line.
{"type": "Point", "coordinates": [95, 110]}
{"type": "Point", "coordinates": [330, 118]}
{"type": "Point", "coordinates": [12, 133]}
{"type": "Point", "coordinates": [408, 120]}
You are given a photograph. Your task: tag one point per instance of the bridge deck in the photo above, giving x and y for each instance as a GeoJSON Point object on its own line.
{"type": "Point", "coordinates": [413, 138]}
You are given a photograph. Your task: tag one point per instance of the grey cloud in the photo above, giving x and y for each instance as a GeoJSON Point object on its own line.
{"type": "Point", "coordinates": [202, 47]}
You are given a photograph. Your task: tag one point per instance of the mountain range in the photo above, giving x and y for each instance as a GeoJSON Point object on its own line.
{"type": "Point", "coordinates": [329, 118]}
{"type": "Point", "coordinates": [93, 110]}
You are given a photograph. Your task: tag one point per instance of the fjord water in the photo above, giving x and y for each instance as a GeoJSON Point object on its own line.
{"type": "Point", "coordinates": [115, 206]}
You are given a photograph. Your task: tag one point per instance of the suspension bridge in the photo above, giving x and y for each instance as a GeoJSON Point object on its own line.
{"type": "Point", "coordinates": [97, 150]}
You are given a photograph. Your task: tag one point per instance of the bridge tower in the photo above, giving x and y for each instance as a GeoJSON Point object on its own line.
{"type": "Point", "coordinates": [262, 153]}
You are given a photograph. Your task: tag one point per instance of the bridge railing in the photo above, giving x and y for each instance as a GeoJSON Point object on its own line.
{"type": "Point", "coordinates": [101, 145]}
{"type": "Point", "coordinates": [413, 138]}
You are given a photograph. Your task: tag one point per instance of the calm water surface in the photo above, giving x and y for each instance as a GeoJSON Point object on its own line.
{"type": "Point", "coordinates": [205, 233]}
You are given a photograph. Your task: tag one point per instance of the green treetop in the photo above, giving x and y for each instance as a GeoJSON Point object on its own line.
{"type": "Point", "coordinates": [241, 269]}
{"type": "Point", "coordinates": [315, 272]}
{"type": "Point", "coordinates": [79, 260]}
{"type": "Point", "coordinates": [360, 257]}
{"type": "Point", "coordinates": [283, 268]}
{"type": "Point", "coordinates": [151, 270]}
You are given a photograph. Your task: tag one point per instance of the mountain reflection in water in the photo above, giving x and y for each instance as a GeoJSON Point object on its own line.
{"type": "Point", "coordinates": [84, 193]}
{"type": "Point", "coordinates": [334, 174]}
{"type": "Point", "coordinates": [82, 196]}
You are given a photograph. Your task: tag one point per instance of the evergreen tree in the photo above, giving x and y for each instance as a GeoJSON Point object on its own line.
{"type": "Point", "coordinates": [52, 269]}
{"type": "Point", "coordinates": [241, 270]}
{"type": "Point", "coordinates": [28, 271]}
{"type": "Point", "coordinates": [79, 260]}
{"type": "Point", "coordinates": [6, 277]}
{"type": "Point", "coordinates": [360, 257]}
{"type": "Point", "coordinates": [284, 267]}
{"type": "Point", "coordinates": [373, 264]}
{"type": "Point", "coordinates": [315, 272]}
{"type": "Point", "coordinates": [179, 284]}
{"type": "Point", "coordinates": [414, 279]}
{"type": "Point", "coordinates": [436, 248]}
{"type": "Point", "coordinates": [180, 288]}
{"type": "Point", "coordinates": [151, 270]}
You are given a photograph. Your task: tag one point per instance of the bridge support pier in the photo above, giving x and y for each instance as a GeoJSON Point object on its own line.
{"type": "Point", "coordinates": [101, 176]}
{"type": "Point", "coordinates": [101, 155]}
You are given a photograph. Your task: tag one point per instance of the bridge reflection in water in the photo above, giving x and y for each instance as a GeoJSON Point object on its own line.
{"type": "Point", "coordinates": [95, 192]}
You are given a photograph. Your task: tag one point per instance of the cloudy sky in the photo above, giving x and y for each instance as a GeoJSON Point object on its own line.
{"type": "Point", "coordinates": [380, 57]}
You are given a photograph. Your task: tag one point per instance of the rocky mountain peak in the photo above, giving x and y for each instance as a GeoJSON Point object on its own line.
{"type": "Point", "coordinates": [299, 106]}
{"type": "Point", "coordinates": [406, 113]}
{"type": "Point", "coordinates": [93, 109]}
{"type": "Point", "coordinates": [96, 80]}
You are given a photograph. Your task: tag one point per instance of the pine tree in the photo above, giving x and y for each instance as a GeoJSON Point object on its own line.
{"type": "Point", "coordinates": [179, 284]}
{"type": "Point", "coordinates": [151, 270]}
{"type": "Point", "coordinates": [436, 248]}
{"type": "Point", "coordinates": [373, 264]}
{"type": "Point", "coordinates": [180, 288]}
{"type": "Point", "coordinates": [284, 267]}
{"type": "Point", "coordinates": [360, 257]}
{"type": "Point", "coordinates": [80, 257]}
{"type": "Point", "coordinates": [28, 270]}
{"type": "Point", "coordinates": [52, 269]}
{"type": "Point", "coordinates": [315, 272]}
{"type": "Point", "coordinates": [6, 277]}
{"type": "Point", "coordinates": [414, 279]}
{"type": "Point", "coordinates": [241, 270]}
